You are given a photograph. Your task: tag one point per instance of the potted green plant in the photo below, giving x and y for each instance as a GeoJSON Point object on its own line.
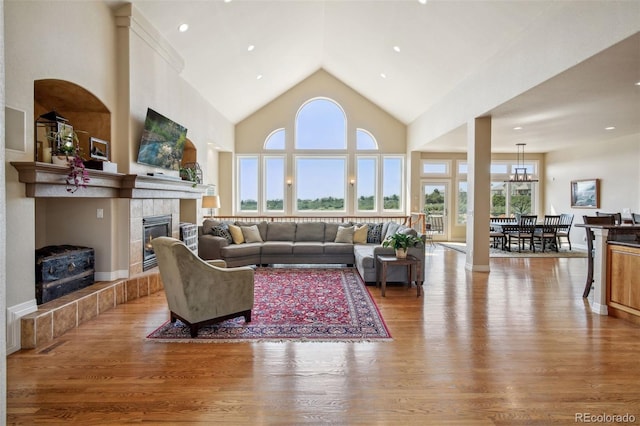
{"type": "Point", "coordinates": [401, 242]}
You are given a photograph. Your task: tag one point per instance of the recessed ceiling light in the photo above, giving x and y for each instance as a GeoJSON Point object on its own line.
{"type": "Point", "coordinates": [396, 48]}
{"type": "Point", "coordinates": [610, 128]}
{"type": "Point", "coordinates": [422, 1]}
{"type": "Point", "coordinates": [227, 1]}
{"type": "Point", "coordinates": [638, 83]}
{"type": "Point", "coordinates": [250, 47]}
{"type": "Point", "coordinates": [259, 77]}
{"type": "Point", "coordinates": [517, 128]}
{"type": "Point", "coordinates": [383, 75]}
{"type": "Point", "coordinates": [183, 27]}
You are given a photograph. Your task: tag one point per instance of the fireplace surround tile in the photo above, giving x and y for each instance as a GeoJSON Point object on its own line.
{"type": "Point", "coordinates": [53, 319]}
{"type": "Point", "coordinates": [87, 308]}
{"type": "Point", "coordinates": [64, 319]}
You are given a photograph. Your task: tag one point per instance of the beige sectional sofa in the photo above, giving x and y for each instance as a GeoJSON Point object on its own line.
{"type": "Point", "coordinates": [263, 243]}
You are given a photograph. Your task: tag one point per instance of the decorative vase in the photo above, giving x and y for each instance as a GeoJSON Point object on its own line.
{"type": "Point", "coordinates": [401, 253]}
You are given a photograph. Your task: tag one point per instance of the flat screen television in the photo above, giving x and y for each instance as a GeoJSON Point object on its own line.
{"type": "Point", "coordinates": [162, 142]}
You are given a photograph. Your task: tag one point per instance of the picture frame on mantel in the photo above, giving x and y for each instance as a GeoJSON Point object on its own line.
{"type": "Point", "coordinates": [585, 194]}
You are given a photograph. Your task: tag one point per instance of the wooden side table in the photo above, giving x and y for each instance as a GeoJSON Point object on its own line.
{"type": "Point", "coordinates": [412, 263]}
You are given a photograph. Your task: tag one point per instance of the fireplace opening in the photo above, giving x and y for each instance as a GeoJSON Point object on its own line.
{"type": "Point", "coordinates": [154, 227]}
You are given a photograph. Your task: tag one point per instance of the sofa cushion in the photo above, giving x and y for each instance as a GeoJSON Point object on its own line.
{"type": "Point", "coordinates": [360, 234]}
{"type": "Point", "coordinates": [374, 234]}
{"type": "Point", "coordinates": [331, 229]}
{"type": "Point", "coordinates": [364, 255]}
{"type": "Point", "coordinates": [345, 234]}
{"type": "Point", "coordinates": [407, 230]}
{"type": "Point", "coordinates": [310, 231]}
{"type": "Point", "coordinates": [251, 234]}
{"type": "Point", "coordinates": [262, 227]}
{"type": "Point", "coordinates": [281, 231]}
{"type": "Point", "coordinates": [338, 248]}
{"type": "Point", "coordinates": [222, 230]}
{"type": "Point", "coordinates": [236, 234]}
{"type": "Point", "coordinates": [392, 228]}
{"type": "Point", "coordinates": [277, 247]}
{"type": "Point", "coordinates": [241, 250]}
{"type": "Point", "coordinates": [308, 247]}
{"type": "Point", "coordinates": [208, 224]}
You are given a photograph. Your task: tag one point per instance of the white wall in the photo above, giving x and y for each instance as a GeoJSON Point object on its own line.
{"type": "Point", "coordinates": [86, 51]}
{"type": "Point", "coordinates": [616, 164]}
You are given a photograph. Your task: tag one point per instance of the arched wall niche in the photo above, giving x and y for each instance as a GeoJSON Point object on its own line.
{"type": "Point", "coordinates": [190, 153]}
{"type": "Point", "coordinates": [85, 112]}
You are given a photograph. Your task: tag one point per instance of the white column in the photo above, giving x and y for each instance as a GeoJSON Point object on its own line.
{"type": "Point", "coordinates": [478, 187]}
{"type": "Point", "coordinates": [599, 302]}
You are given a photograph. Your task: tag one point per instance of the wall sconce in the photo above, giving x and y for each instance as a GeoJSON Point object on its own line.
{"type": "Point", "coordinates": [352, 182]}
{"type": "Point", "coordinates": [289, 183]}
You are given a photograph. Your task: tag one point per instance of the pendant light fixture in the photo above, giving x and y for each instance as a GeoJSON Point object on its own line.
{"type": "Point", "coordinates": [520, 171]}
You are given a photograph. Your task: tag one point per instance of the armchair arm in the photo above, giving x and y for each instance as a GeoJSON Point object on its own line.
{"type": "Point", "coordinates": [217, 262]}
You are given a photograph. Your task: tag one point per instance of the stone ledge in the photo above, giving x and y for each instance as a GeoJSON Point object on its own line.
{"type": "Point", "coordinates": [53, 319]}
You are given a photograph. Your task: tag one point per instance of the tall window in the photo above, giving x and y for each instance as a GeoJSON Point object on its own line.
{"type": "Point", "coordinates": [321, 124]}
{"type": "Point", "coordinates": [366, 178]}
{"type": "Point", "coordinates": [392, 175]}
{"type": "Point", "coordinates": [274, 176]}
{"type": "Point", "coordinates": [507, 198]}
{"type": "Point", "coordinates": [248, 183]}
{"type": "Point", "coordinates": [320, 183]}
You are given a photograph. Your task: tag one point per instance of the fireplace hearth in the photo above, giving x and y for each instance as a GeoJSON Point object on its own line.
{"type": "Point", "coordinates": [153, 227]}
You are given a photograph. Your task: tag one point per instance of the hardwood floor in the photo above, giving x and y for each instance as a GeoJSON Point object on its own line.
{"type": "Point", "coordinates": [514, 346]}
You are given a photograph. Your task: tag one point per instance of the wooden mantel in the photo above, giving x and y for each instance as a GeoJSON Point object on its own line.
{"type": "Point", "coordinates": [49, 180]}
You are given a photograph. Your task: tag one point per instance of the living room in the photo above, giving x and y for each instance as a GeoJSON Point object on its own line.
{"type": "Point", "coordinates": [125, 62]}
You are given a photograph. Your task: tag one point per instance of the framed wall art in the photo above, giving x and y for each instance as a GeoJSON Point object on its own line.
{"type": "Point", "coordinates": [585, 194]}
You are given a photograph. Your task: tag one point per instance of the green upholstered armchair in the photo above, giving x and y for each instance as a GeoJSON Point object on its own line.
{"type": "Point", "coordinates": [199, 292]}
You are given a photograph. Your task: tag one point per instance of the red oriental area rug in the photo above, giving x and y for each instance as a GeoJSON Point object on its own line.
{"type": "Point", "coordinates": [296, 304]}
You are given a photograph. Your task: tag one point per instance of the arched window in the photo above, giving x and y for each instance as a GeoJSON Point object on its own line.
{"type": "Point", "coordinates": [321, 124]}
{"type": "Point", "coordinates": [365, 140]}
{"type": "Point", "coordinates": [275, 140]}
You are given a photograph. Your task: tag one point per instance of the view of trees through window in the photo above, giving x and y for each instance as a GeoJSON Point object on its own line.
{"type": "Point", "coordinates": [322, 168]}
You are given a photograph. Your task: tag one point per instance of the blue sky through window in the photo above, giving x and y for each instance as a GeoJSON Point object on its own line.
{"type": "Point", "coordinates": [321, 124]}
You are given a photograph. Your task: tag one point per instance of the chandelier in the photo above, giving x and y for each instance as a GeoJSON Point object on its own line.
{"type": "Point", "coordinates": [520, 171]}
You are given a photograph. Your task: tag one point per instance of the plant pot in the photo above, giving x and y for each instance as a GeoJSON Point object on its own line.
{"type": "Point", "coordinates": [61, 160]}
{"type": "Point", "coordinates": [401, 253]}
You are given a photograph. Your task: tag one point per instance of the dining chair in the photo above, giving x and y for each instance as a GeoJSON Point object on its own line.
{"type": "Point", "coordinates": [436, 223]}
{"type": "Point", "coordinates": [564, 229]}
{"type": "Point", "coordinates": [593, 220]}
{"type": "Point", "coordinates": [524, 231]}
{"type": "Point", "coordinates": [616, 216]}
{"type": "Point", "coordinates": [548, 232]}
{"type": "Point", "coordinates": [635, 218]}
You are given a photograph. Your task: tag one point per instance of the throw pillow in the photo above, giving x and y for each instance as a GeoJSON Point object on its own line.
{"type": "Point", "coordinates": [344, 234]}
{"type": "Point", "coordinates": [374, 235]}
{"type": "Point", "coordinates": [222, 231]}
{"type": "Point", "coordinates": [360, 234]}
{"type": "Point", "coordinates": [391, 229]}
{"type": "Point", "coordinates": [236, 234]}
{"type": "Point", "coordinates": [251, 234]}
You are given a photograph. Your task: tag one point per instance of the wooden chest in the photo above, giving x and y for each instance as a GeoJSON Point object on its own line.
{"type": "Point", "coordinates": [61, 270]}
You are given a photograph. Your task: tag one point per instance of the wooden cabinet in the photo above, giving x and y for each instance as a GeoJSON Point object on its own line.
{"type": "Point", "coordinates": [623, 281]}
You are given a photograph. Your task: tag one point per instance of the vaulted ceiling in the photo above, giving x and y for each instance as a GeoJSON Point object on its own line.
{"type": "Point", "coordinates": [403, 55]}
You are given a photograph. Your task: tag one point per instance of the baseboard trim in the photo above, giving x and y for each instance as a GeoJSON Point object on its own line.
{"type": "Point", "coordinates": [476, 268]}
{"type": "Point", "coordinates": [112, 276]}
{"type": "Point", "coordinates": [14, 313]}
